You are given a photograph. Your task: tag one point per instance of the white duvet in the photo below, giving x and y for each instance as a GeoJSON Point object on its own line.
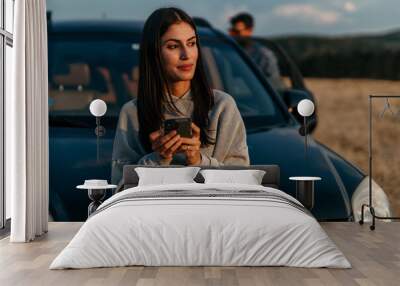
{"type": "Point", "coordinates": [182, 231]}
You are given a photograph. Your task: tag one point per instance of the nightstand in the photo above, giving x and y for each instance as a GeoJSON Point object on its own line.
{"type": "Point", "coordinates": [305, 190]}
{"type": "Point", "coordinates": [97, 190]}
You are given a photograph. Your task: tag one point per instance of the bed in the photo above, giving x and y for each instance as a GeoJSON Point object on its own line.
{"type": "Point", "coordinates": [201, 224]}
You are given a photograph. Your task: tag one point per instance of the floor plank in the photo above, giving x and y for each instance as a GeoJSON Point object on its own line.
{"type": "Point", "coordinates": [374, 255]}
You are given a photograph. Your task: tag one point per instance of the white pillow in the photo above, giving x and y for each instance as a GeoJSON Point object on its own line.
{"type": "Point", "coordinates": [162, 176]}
{"type": "Point", "coordinates": [249, 177]}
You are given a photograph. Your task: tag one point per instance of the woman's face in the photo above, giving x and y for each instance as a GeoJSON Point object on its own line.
{"type": "Point", "coordinates": [179, 52]}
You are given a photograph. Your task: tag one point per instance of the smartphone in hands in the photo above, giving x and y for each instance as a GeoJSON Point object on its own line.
{"type": "Point", "coordinates": [182, 125]}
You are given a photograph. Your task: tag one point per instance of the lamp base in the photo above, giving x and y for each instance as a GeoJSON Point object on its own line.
{"type": "Point", "coordinates": [305, 190]}
{"type": "Point", "coordinates": [305, 193]}
{"type": "Point", "coordinates": [100, 131]}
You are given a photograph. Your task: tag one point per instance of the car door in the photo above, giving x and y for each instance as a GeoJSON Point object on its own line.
{"type": "Point", "coordinates": [83, 68]}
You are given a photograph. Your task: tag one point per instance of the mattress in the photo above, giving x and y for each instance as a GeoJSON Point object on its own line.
{"type": "Point", "coordinates": [201, 225]}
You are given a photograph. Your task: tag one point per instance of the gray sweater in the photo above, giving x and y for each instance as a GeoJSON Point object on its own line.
{"type": "Point", "coordinates": [226, 128]}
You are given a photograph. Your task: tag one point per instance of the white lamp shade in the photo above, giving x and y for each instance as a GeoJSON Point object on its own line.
{"type": "Point", "coordinates": [98, 107]}
{"type": "Point", "coordinates": [305, 107]}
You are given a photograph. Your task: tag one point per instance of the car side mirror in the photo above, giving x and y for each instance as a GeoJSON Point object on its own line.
{"type": "Point", "coordinates": [292, 97]}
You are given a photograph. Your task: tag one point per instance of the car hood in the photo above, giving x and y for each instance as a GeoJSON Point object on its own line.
{"type": "Point", "coordinates": [286, 148]}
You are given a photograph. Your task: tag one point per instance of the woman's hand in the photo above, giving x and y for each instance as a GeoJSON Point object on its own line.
{"type": "Point", "coordinates": [191, 147]}
{"type": "Point", "coordinates": [165, 145]}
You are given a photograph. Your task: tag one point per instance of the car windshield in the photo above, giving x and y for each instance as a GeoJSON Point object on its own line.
{"type": "Point", "coordinates": [85, 68]}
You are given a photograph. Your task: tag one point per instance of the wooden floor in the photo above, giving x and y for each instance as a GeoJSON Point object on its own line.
{"type": "Point", "coordinates": [374, 255]}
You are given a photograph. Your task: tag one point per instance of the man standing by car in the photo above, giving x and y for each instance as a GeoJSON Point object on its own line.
{"type": "Point", "coordinates": [242, 26]}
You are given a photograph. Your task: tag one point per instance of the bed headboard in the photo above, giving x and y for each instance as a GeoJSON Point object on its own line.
{"type": "Point", "coordinates": [270, 179]}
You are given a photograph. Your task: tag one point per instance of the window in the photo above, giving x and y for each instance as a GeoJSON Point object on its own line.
{"type": "Point", "coordinates": [235, 77]}
{"type": "Point", "coordinates": [83, 70]}
{"type": "Point", "coordinates": [8, 62]}
{"type": "Point", "coordinates": [9, 13]}
{"type": "Point", "coordinates": [6, 42]}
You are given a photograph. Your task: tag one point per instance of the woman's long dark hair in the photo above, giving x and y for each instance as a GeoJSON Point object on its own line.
{"type": "Point", "coordinates": [153, 82]}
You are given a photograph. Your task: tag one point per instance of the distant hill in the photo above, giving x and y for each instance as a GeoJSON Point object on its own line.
{"type": "Point", "coordinates": [359, 56]}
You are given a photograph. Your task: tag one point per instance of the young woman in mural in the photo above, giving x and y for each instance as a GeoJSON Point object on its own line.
{"type": "Point", "coordinates": [173, 84]}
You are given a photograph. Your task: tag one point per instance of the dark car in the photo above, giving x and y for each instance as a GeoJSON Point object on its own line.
{"type": "Point", "coordinates": [90, 60]}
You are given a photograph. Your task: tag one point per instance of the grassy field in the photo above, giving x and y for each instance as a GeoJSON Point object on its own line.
{"type": "Point", "coordinates": [343, 126]}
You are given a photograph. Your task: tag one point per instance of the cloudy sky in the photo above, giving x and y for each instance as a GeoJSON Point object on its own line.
{"type": "Point", "coordinates": [273, 17]}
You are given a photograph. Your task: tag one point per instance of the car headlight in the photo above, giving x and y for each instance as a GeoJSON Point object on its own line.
{"type": "Point", "coordinates": [380, 201]}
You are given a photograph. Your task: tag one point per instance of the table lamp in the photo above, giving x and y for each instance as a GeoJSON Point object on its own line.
{"type": "Point", "coordinates": [305, 108]}
{"type": "Point", "coordinates": [305, 185]}
{"type": "Point", "coordinates": [98, 108]}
